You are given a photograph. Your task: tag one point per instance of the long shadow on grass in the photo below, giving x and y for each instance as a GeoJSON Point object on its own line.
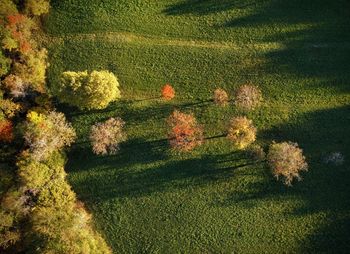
{"type": "Point", "coordinates": [139, 170]}
{"type": "Point", "coordinates": [325, 188]}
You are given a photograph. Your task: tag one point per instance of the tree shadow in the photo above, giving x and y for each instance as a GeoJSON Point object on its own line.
{"type": "Point", "coordinates": [204, 7]}
{"type": "Point", "coordinates": [127, 175]}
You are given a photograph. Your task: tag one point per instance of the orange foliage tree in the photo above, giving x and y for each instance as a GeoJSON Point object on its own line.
{"type": "Point", "coordinates": [6, 131]}
{"type": "Point", "coordinates": [168, 92]}
{"type": "Point", "coordinates": [184, 132]}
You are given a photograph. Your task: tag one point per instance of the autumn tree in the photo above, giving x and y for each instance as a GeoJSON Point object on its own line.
{"type": "Point", "coordinates": [241, 132]}
{"type": "Point", "coordinates": [248, 97]}
{"type": "Point", "coordinates": [221, 97]}
{"type": "Point", "coordinates": [37, 7]}
{"type": "Point", "coordinates": [286, 160]}
{"type": "Point", "coordinates": [168, 92]}
{"type": "Point", "coordinates": [184, 131]}
{"type": "Point", "coordinates": [105, 137]}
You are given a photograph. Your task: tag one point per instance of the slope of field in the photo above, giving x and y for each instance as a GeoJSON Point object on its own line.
{"type": "Point", "coordinates": [147, 199]}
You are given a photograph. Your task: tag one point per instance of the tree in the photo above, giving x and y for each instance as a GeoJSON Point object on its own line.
{"type": "Point", "coordinates": [248, 97]}
{"type": "Point", "coordinates": [168, 92]}
{"type": "Point", "coordinates": [241, 132]}
{"type": "Point", "coordinates": [106, 137]}
{"type": "Point", "coordinates": [6, 131]}
{"type": "Point", "coordinates": [221, 97]}
{"type": "Point", "coordinates": [46, 133]}
{"type": "Point", "coordinates": [286, 160]}
{"type": "Point", "coordinates": [184, 131]}
{"type": "Point", "coordinates": [37, 7]}
{"type": "Point", "coordinates": [15, 86]}
{"type": "Point", "coordinates": [87, 91]}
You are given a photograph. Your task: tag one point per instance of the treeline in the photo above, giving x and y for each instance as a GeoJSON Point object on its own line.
{"type": "Point", "coordinates": [39, 211]}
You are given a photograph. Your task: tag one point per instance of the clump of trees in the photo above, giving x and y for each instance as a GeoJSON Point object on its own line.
{"type": "Point", "coordinates": [248, 97]}
{"type": "Point", "coordinates": [85, 90]}
{"type": "Point", "coordinates": [241, 132]}
{"type": "Point", "coordinates": [105, 137]}
{"type": "Point", "coordinates": [221, 97]}
{"type": "Point", "coordinates": [287, 161]}
{"type": "Point", "coordinates": [184, 132]}
{"type": "Point", "coordinates": [168, 92]}
{"type": "Point", "coordinates": [39, 212]}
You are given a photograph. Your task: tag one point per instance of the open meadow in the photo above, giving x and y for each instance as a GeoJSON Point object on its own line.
{"type": "Point", "coordinates": [215, 199]}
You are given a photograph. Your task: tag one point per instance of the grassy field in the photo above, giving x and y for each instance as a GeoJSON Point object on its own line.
{"type": "Point", "coordinates": [148, 199]}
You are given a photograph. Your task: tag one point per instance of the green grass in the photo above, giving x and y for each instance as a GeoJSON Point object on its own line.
{"type": "Point", "coordinates": [148, 199]}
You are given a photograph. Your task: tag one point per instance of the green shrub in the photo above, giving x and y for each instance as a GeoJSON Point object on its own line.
{"type": "Point", "coordinates": [287, 161]}
{"type": "Point", "coordinates": [88, 91]}
{"type": "Point", "coordinates": [37, 7]}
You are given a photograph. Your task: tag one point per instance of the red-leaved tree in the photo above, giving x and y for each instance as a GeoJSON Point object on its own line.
{"type": "Point", "coordinates": [184, 131]}
{"type": "Point", "coordinates": [168, 92]}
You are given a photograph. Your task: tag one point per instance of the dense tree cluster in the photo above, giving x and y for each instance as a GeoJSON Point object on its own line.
{"type": "Point", "coordinates": [39, 212]}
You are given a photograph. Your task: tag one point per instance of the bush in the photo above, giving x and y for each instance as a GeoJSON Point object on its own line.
{"type": "Point", "coordinates": [37, 7]}
{"type": "Point", "coordinates": [105, 137]}
{"type": "Point", "coordinates": [88, 91]}
{"type": "Point", "coordinates": [335, 158]}
{"type": "Point", "coordinates": [168, 92]}
{"type": "Point", "coordinates": [287, 161]}
{"type": "Point", "coordinates": [6, 131]}
{"type": "Point", "coordinates": [184, 132]}
{"type": "Point", "coordinates": [241, 132]}
{"type": "Point", "coordinates": [221, 97]}
{"type": "Point", "coordinates": [248, 97]}
{"type": "Point", "coordinates": [46, 133]}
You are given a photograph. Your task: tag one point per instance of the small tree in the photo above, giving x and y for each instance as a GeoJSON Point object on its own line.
{"type": "Point", "coordinates": [287, 161]}
{"type": "Point", "coordinates": [241, 132]}
{"type": "Point", "coordinates": [88, 91]}
{"type": "Point", "coordinates": [46, 133]}
{"type": "Point", "coordinates": [168, 92]}
{"type": "Point", "coordinates": [221, 97]}
{"type": "Point", "coordinates": [248, 97]}
{"type": "Point", "coordinates": [184, 132]}
{"type": "Point", "coordinates": [106, 137]}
